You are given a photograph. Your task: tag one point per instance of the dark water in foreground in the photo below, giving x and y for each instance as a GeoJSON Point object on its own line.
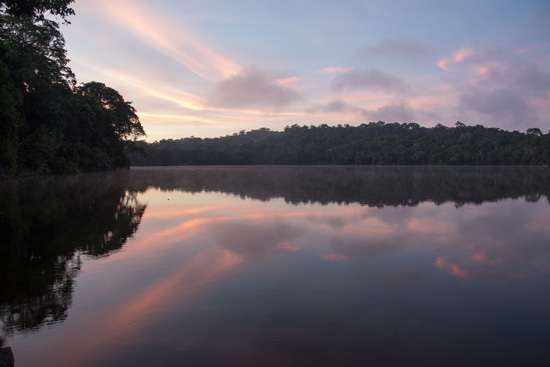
{"type": "Point", "coordinates": [278, 266]}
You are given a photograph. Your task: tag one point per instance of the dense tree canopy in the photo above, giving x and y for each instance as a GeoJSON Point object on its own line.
{"type": "Point", "coordinates": [47, 123]}
{"type": "Point", "coordinates": [367, 144]}
{"type": "Point", "coordinates": [37, 8]}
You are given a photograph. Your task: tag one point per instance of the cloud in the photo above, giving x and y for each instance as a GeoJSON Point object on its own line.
{"type": "Point", "coordinates": [253, 88]}
{"type": "Point", "coordinates": [334, 70]}
{"type": "Point", "coordinates": [400, 48]}
{"type": "Point", "coordinates": [336, 105]}
{"type": "Point", "coordinates": [370, 248]}
{"type": "Point", "coordinates": [526, 78]}
{"type": "Point", "coordinates": [400, 112]}
{"type": "Point", "coordinates": [458, 56]}
{"type": "Point", "coordinates": [502, 106]}
{"type": "Point", "coordinates": [254, 240]}
{"type": "Point", "coordinates": [368, 79]}
{"type": "Point", "coordinates": [289, 80]}
{"type": "Point", "coordinates": [509, 96]}
{"type": "Point", "coordinates": [169, 37]}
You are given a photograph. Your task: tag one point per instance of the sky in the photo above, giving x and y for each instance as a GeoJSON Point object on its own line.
{"type": "Point", "coordinates": [210, 68]}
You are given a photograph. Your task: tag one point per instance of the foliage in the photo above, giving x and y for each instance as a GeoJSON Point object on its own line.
{"type": "Point", "coordinates": [376, 143]}
{"type": "Point", "coordinates": [47, 123]}
{"type": "Point", "coordinates": [37, 8]}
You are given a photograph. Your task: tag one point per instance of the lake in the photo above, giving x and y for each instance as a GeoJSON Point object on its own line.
{"type": "Point", "coordinates": [278, 266]}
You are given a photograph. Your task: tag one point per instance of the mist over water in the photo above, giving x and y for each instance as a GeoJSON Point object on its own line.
{"type": "Point", "coordinates": [274, 266]}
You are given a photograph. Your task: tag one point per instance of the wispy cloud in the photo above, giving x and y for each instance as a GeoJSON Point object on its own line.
{"type": "Point", "coordinates": [182, 65]}
{"type": "Point", "coordinates": [169, 38]}
{"type": "Point", "coordinates": [152, 88]}
{"type": "Point", "coordinates": [459, 55]}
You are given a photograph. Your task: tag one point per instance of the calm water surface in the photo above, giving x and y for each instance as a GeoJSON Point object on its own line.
{"type": "Point", "coordinates": [278, 266]}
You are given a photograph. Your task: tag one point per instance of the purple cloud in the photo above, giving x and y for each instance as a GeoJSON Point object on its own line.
{"type": "Point", "coordinates": [253, 87]}
{"type": "Point", "coordinates": [524, 77]}
{"type": "Point", "coordinates": [370, 80]}
{"type": "Point", "coordinates": [336, 105]}
{"type": "Point", "coordinates": [507, 96]}
{"type": "Point", "coordinates": [502, 106]}
{"type": "Point", "coordinates": [400, 112]}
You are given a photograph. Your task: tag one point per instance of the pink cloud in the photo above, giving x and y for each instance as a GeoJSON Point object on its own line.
{"type": "Point", "coordinates": [429, 101]}
{"type": "Point", "coordinates": [290, 80]}
{"type": "Point", "coordinates": [456, 57]}
{"type": "Point", "coordinates": [254, 87]}
{"type": "Point", "coordinates": [427, 225]}
{"type": "Point", "coordinates": [483, 69]}
{"type": "Point", "coordinates": [453, 269]}
{"type": "Point", "coordinates": [169, 38]}
{"type": "Point", "coordinates": [334, 70]}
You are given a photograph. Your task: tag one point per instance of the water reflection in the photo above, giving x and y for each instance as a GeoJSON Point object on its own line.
{"type": "Point", "coordinates": [316, 266]}
{"type": "Point", "coordinates": [46, 226]}
{"type": "Point", "coordinates": [372, 186]}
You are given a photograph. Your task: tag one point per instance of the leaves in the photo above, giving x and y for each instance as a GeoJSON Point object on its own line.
{"type": "Point", "coordinates": [48, 123]}
{"type": "Point", "coordinates": [37, 8]}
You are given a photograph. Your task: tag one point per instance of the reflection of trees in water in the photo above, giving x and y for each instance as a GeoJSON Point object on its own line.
{"type": "Point", "coordinates": [372, 185]}
{"type": "Point", "coordinates": [46, 226]}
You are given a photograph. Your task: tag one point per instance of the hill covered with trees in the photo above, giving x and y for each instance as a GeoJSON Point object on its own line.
{"type": "Point", "coordinates": [375, 143]}
{"type": "Point", "coordinates": [47, 122]}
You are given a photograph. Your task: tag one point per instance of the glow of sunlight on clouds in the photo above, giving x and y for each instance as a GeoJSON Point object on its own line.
{"type": "Point", "coordinates": [167, 93]}
{"type": "Point", "coordinates": [334, 70]}
{"type": "Point", "coordinates": [170, 38]}
{"type": "Point", "coordinates": [459, 55]}
{"type": "Point", "coordinates": [128, 318]}
{"type": "Point", "coordinates": [289, 80]}
{"type": "Point", "coordinates": [453, 269]}
{"type": "Point", "coordinates": [203, 71]}
{"type": "Point", "coordinates": [484, 69]}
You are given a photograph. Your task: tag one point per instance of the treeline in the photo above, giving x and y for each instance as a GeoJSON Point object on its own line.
{"type": "Point", "coordinates": [47, 122]}
{"type": "Point", "coordinates": [375, 143]}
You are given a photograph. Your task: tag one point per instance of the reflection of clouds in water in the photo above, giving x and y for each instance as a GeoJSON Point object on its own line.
{"type": "Point", "coordinates": [498, 246]}
{"type": "Point", "coordinates": [494, 241]}
{"type": "Point", "coordinates": [497, 242]}
{"type": "Point", "coordinates": [401, 276]}
{"type": "Point", "coordinates": [371, 248]}
{"type": "Point", "coordinates": [255, 240]}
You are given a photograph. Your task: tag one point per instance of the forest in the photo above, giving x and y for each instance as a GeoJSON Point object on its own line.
{"type": "Point", "coordinates": [48, 123]}
{"type": "Point", "coordinates": [375, 143]}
